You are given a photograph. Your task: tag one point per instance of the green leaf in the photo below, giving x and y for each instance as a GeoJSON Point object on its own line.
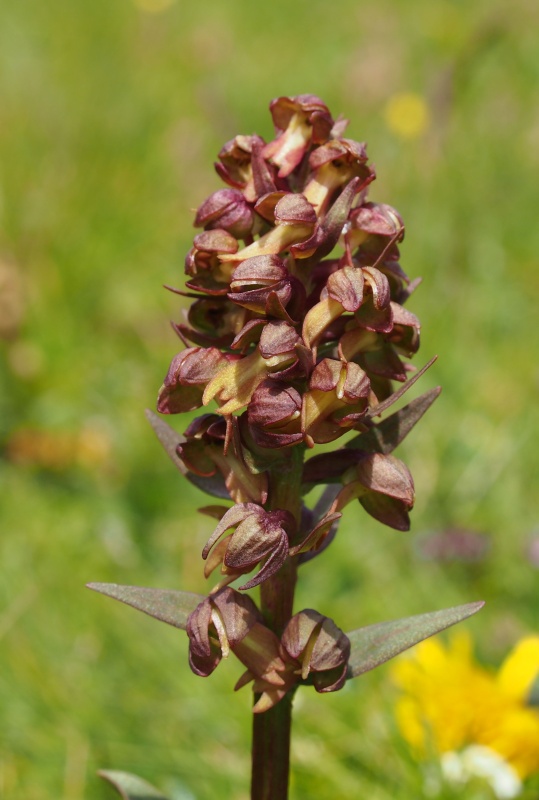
{"type": "Point", "coordinates": [375, 411]}
{"type": "Point", "coordinates": [390, 432]}
{"type": "Point", "coordinates": [166, 605]}
{"type": "Point", "coordinates": [170, 440]}
{"type": "Point", "coordinates": [376, 644]}
{"type": "Point", "coordinates": [130, 787]}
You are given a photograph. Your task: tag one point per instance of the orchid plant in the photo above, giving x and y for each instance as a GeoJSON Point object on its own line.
{"type": "Point", "coordinates": [296, 334]}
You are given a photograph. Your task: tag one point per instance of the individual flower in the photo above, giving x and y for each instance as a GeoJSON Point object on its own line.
{"type": "Point", "coordinates": [294, 220]}
{"type": "Point", "coordinates": [274, 415]}
{"type": "Point", "coordinates": [262, 284]}
{"type": "Point", "coordinates": [259, 537]}
{"type": "Point", "coordinates": [480, 723]}
{"type": "Point", "coordinates": [346, 291]}
{"type": "Point", "coordinates": [314, 651]}
{"type": "Point", "coordinates": [274, 355]}
{"type": "Point", "coordinates": [240, 165]}
{"type": "Point", "coordinates": [320, 649]}
{"type": "Point", "coordinates": [337, 399]}
{"type": "Point", "coordinates": [375, 229]}
{"type": "Point", "coordinates": [376, 339]}
{"type": "Point", "coordinates": [226, 622]}
{"type": "Point", "coordinates": [382, 484]}
{"type": "Point", "coordinates": [333, 165]}
{"type": "Point", "coordinates": [228, 210]}
{"type": "Point", "coordinates": [217, 625]}
{"type": "Point", "coordinates": [301, 122]}
{"type": "Point", "coordinates": [187, 377]}
{"type": "Point", "coordinates": [204, 265]}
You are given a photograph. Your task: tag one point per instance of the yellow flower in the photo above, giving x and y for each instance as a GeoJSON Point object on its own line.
{"type": "Point", "coordinates": [452, 706]}
{"type": "Point", "coordinates": [407, 115]}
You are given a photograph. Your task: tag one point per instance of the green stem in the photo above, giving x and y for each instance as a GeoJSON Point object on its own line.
{"type": "Point", "coordinates": [271, 729]}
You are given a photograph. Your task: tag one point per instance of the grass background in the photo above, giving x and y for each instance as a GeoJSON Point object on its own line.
{"type": "Point", "coordinates": [111, 116]}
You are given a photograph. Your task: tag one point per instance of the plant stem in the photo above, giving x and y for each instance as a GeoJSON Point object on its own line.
{"type": "Point", "coordinates": [271, 751]}
{"type": "Point", "coordinates": [271, 729]}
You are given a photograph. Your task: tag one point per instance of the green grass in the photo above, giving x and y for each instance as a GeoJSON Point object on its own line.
{"type": "Point", "coordinates": [110, 121]}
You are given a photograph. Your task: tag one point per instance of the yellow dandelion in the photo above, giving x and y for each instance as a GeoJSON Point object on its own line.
{"type": "Point", "coordinates": [479, 723]}
{"type": "Point", "coordinates": [520, 669]}
{"type": "Point", "coordinates": [407, 115]}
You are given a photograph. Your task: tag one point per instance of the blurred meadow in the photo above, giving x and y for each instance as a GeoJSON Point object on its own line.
{"type": "Point", "coordinates": [111, 115]}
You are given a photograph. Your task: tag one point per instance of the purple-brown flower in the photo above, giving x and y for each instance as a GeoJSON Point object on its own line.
{"type": "Point", "coordinates": [259, 536]}
{"type": "Point", "coordinates": [274, 415]}
{"type": "Point", "coordinates": [276, 353]}
{"type": "Point", "coordinates": [384, 487]}
{"type": "Point", "coordinates": [337, 399]}
{"type": "Point", "coordinates": [320, 649]}
{"type": "Point", "coordinates": [187, 377]}
{"type": "Point", "coordinates": [228, 210]}
{"type": "Point", "coordinates": [301, 122]}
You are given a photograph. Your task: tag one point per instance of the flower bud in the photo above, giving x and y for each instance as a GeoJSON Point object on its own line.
{"type": "Point", "coordinates": [216, 626]}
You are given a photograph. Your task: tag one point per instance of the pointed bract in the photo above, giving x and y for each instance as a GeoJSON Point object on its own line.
{"type": "Point", "coordinates": [131, 787]}
{"type": "Point", "coordinates": [376, 644]}
{"type": "Point", "coordinates": [166, 605]}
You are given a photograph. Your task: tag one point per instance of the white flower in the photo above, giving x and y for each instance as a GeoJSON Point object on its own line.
{"type": "Point", "coordinates": [477, 761]}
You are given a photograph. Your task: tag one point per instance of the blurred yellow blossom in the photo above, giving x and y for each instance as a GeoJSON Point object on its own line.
{"type": "Point", "coordinates": [481, 724]}
{"type": "Point", "coordinates": [407, 115]}
{"type": "Point", "coordinates": [58, 451]}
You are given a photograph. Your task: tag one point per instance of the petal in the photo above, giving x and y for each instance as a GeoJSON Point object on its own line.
{"type": "Point", "coordinates": [238, 612]}
{"type": "Point", "coordinates": [272, 565]}
{"type": "Point", "coordinates": [346, 286]}
{"type": "Point", "coordinates": [238, 513]}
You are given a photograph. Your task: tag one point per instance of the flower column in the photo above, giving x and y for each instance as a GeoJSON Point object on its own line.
{"type": "Point", "coordinates": [295, 348]}
{"type": "Point", "coordinates": [295, 336]}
